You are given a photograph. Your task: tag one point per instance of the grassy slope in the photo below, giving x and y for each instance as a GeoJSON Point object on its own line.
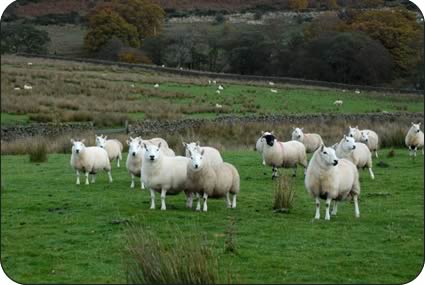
{"type": "Point", "coordinates": [55, 231]}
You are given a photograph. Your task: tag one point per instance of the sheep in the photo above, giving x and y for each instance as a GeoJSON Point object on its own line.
{"type": "Point", "coordinates": [357, 91]}
{"type": "Point", "coordinates": [132, 85]}
{"type": "Point", "coordinates": [338, 103]}
{"type": "Point", "coordinates": [273, 90]}
{"type": "Point", "coordinates": [161, 173]}
{"type": "Point", "coordinates": [156, 85]}
{"type": "Point", "coordinates": [370, 138]}
{"type": "Point", "coordinates": [217, 91]}
{"type": "Point", "coordinates": [357, 153]}
{"type": "Point", "coordinates": [357, 135]}
{"type": "Point", "coordinates": [331, 178]}
{"type": "Point", "coordinates": [113, 147]}
{"type": "Point", "coordinates": [27, 87]}
{"type": "Point", "coordinates": [414, 139]}
{"type": "Point", "coordinates": [311, 141]}
{"type": "Point", "coordinates": [209, 82]}
{"type": "Point", "coordinates": [163, 65]}
{"type": "Point", "coordinates": [134, 159]}
{"type": "Point", "coordinates": [218, 106]}
{"type": "Point", "coordinates": [17, 88]}
{"type": "Point", "coordinates": [354, 133]}
{"type": "Point", "coordinates": [166, 150]}
{"type": "Point", "coordinates": [283, 154]}
{"type": "Point", "coordinates": [89, 160]}
{"type": "Point", "coordinates": [29, 63]}
{"type": "Point", "coordinates": [214, 81]}
{"type": "Point", "coordinates": [271, 83]}
{"type": "Point", "coordinates": [220, 87]}
{"type": "Point", "coordinates": [211, 181]}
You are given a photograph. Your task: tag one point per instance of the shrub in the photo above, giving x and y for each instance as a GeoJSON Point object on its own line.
{"type": "Point", "coordinates": [23, 38]}
{"type": "Point", "coordinates": [188, 260]}
{"type": "Point", "coordinates": [38, 152]}
{"type": "Point", "coordinates": [283, 195]}
{"type": "Point", "coordinates": [41, 118]}
{"type": "Point", "coordinates": [132, 55]}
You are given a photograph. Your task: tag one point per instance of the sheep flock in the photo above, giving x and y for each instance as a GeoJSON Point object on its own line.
{"type": "Point", "coordinates": [331, 174]}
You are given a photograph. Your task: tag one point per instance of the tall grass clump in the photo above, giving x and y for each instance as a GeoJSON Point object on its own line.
{"type": "Point", "coordinates": [230, 236]}
{"type": "Point", "coordinates": [187, 260]}
{"type": "Point", "coordinates": [283, 195]}
{"type": "Point", "coordinates": [38, 152]}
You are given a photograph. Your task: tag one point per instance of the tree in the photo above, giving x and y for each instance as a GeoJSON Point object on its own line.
{"type": "Point", "coordinates": [107, 24]}
{"type": "Point", "coordinates": [324, 23]}
{"type": "Point", "coordinates": [23, 38]}
{"type": "Point", "coordinates": [298, 4]}
{"type": "Point", "coordinates": [398, 31]}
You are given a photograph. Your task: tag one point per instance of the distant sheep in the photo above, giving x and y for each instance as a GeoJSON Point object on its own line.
{"type": "Point", "coordinates": [220, 87]}
{"type": "Point", "coordinates": [415, 139]}
{"type": "Point", "coordinates": [156, 85]}
{"type": "Point", "coordinates": [330, 178]}
{"type": "Point", "coordinates": [273, 90]}
{"type": "Point", "coordinates": [218, 106]}
{"type": "Point", "coordinates": [357, 91]}
{"type": "Point", "coordinates": [370, 138]}
{"type": "Point", "coordinates": [27, 87]}
{"type": "Point", "coordinates": [113, 148]}
{"type": "Point", "coordinates": [311, 141]}
{"type": "Point", "coordinates": [283, 154]}
{"type": "Point", "coordinates": [357, 153]}
{"type": "Point", "coordinates": [211, 181]}
{"type": "Point", "coordinates": [338, 103]}
{"type": "Point", "coordinates": [271, 83]}
{"type": "Point", "coordinates": [134, 159]}
{"type": "Point", "coordinates": [89, 160]}
{"type": "Point", "coordinates": [217, 91]}
{"type": "Point", "coordinates": [161, 173]}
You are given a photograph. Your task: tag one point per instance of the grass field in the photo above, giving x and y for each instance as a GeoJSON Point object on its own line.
{"type": "Point", "coordinates": [109, 95]}
{"type": "Point", "coordinates": [54, 231]}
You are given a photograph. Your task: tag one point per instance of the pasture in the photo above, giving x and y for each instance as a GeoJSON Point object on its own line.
{"type": "Point", "coordinates": [54, 231]}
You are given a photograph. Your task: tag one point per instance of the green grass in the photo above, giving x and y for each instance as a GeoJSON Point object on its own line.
{"type": "Point", "coordinates": [14, 119]}
{"type": "Point", "coordinates": [54, 231]}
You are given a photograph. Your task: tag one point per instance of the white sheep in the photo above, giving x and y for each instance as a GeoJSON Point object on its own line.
{"type": "Point", "coordinates": [161, 173]}
{"type": "Point", "coordinates": [357, 153]}
{"type": "Point", "coordinates": [220, 87]}
{"type": "Point", "coordinates": [331, 178]}
{"type": "Point", "coordinates": [113, 148]}
{"type": "Point", "coordinates": [156, 85]}
{"type": "Point", "coordinates": [17, 88]}
{"type": "Point", "coordinates": [338, 103]}
{"type": "Point", "coordinates": [354, 133]}
{"type": "Point", "coordinates": [27, 87]}
{"type": "Point", "coordinates": [283, 154]}
{"type": "Point", "coordinates": [89, 160]}
{"type": "Point", "coordinates": [414, 139]}
{"type": "Point", "coordinates": [311, 141]}
{"type": "Point", "coordinates": [165, 149]}
{"type": "Point", "coordinates": [134, 159]}
{"type": "Point", "coordinates": [214, 81]}
{"type": "Point", "coordinates": [217, 91]}
{"type": "Point", "coordinates": [271, 83]}
{"type": "Point", "coordinates": [273, 90]}
{"type": "Point", "coordinates": [209, 82]}
{"type": "Point", "coordinates": [218, 106]}
{"type": "Point", "coordinates": [357, 91]}
{"type": "Point", "coordinates": [29, 63]}
{"type": "Point", "coordinates": [211, 181]}
{"type": "Point", "coordinates": [371, 139]}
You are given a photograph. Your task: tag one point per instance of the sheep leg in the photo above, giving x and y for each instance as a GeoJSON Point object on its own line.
{"type": "Point", "coordinates": [228, 200]}
{"type": "Point", "coordinates": [376, 153]}
{"type": "Point", "coordinates": [132, 181]}
{"type": "Point", "coordinates": [205, 202]}
{"type": "Point", "coordinates": [335, 208]}
{"type": "Point", "coordinates": [328, 205]}
{"type": "Point", "coordinates": [78, 177]}
{"type": "Point", "coordinates": [163, 194]}
{"type": "Point", "coordinates": [118, 162]}
{"type": "Point", "coordinates": [152, 199]}
{"type": "Point", "coordinates": [198, 205]}
{"type": "Point", "coordinates": [93, 178]}
{"type": "Point", "coordinates": [109, 176]}
{"type": "Point", "coordinates": [371, 173]}
{"type": "Point", "coordinates": [189, 200]}
{"type": "Point", "coordinates": [356, 206]}
{"type": "Point", "coordinates": [87, 178]}
{"type": "Point", "coordinates": [414, 152]}
{"type": "Point", "coordinates": [317, 216]}
{"type": "Point", "coordinates": [234, 201]}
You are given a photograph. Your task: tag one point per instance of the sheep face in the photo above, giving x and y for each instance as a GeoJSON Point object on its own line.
{"type": "Point", "coordinates": [269, 137]}
{"type": "Point", "coordinates": [77, 146]}
{"type": "Point", "coordinates": [297, 134]}
{"type": "Point", "coordinates": [101, 141]}
{"type": "Point", "coordinates": [193, 146]}
{"type": "Point", "coordinates": [152, 152]}
{"type": "Point", "coordinates": [134, 146]}
{"type": "Point", "coordinates": [348, 144]}
{"type": "Point", "coordinates": [328, 156]}
{"type": "Point", "coordinates": [196, 159]}
{"type": "Point", "coordinates": [364, 137]}
{"type": "Point", "coordinates": [416, 128]}
{"type": "Point", "coordinates": [352, 131]}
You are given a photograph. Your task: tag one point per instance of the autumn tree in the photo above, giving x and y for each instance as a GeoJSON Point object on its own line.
{"type": "Point", "coordinates": [130, 21]}
{"type": "Point", "coordinates": [298, 5]}
{"type": "Point", "coordinates": [398, 32]}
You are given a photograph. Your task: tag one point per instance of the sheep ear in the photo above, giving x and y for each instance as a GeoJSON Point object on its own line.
{"type": "Point", "coordinates": [72, 141]}
{"type": "Point", "coordinates": [357, 127]}
{"type": "Point", "coordinates": [272, 132]}
{"type": "Point", "coordinates": [184, 144]}
{"type": "Point", "coordinates": [419, 123]}
{"type": "Point", "coordinates": [413, 123]}
{"type": "Point", "coordinates": [159, 145]}
{"type": "Point", "coordinates": [131, 138]}
{"type": "Point", "coordinates": [302, 129]}
{"type": "Point", "coordinates": [198, 143]}
{"type": "Point", "coordinates": [190, 152]}
{"type": "Point", "coordinates": [140, 142]}
{"type": "Point", "coordinates": [345, 136]}
{"type": "Point", "coordinates": [322, 147]}
{"type": "Point", "coordinates": [262, 132]}
{"type": "Point", "coordinates": [83, 140]}
{"type": "Point", "coordinates": [202, 152]}
{"type": "Point", "coordinates": [145, 146]}
{"type": "Point", "coordinates": [105, 137]}
{"type": "Point", "coordinates": [128, 142]}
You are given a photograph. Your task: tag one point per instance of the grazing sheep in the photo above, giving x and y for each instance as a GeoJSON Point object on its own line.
{"type": "Point", "coordinates": [134, 159]}
{"type": "Point", "coordinates": [357, 91]}
{"type": "Point", "coordinates": [273, 90]}
{"type": "Point", "coordinates": [132, 85]}
{"type": "Point", "coordinates": [414, 139]}
{"type": "Point", "coordinates": [89, 160]}
{"type": "Point", "coordinates": [161, 173]}
{"type": "Point", "coordinates": [29, 63]}
{"type": "Point", "coordinates": [331, 178]}
{"type": "Point", "coordinates": [217, 91]}
{"type": "Point", "coordinates": [283, 154]}
{"type": "Point", "coordinates": [271, 83]}
{"type": "Point", "coordinates": [209, 82]}
{"type": "Point", "coordinates": [113, 148]}
{"type": "Point", "coordinates": [311, 141]}
{"type": "Point", "coordinates": [17, 88]}
{"type": "Point", "coordinates": [156, 85]}
{"type": "Point", "coordinates": [214, 82]}
{"type": "Point", "coordinates": [27, 87]}
{"type": "Point", "coordinates": [338, 103]}
{"type": "Point", "coordinates": [218, 106]}
{"type": "Point", "coordinates": [163, 65]}
{"type": "Point", "coordinates": [370, 138]}
{"type": "Point", "coordinates": [357, 153]}
{"type": "Point", "coordinates": [211, 181]}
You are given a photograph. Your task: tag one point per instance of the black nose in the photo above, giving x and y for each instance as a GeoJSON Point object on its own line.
{"type": "Point", "coordinates": [417, 131]}
{"type": "Point", "coordinates": [354, 147]}
{"type": "Point", "coordinates": [196, 166]}
{"type": "Point", "coordinates": [335, 162]}
{"type": "Point", "coordinates": [77, 151]}
{"type": "Point", "coordinates": [152, 157]}
{"type": "Point", "coordinates": [270, 143]}
{"type": "Point", "coordinates": [134, 154]}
